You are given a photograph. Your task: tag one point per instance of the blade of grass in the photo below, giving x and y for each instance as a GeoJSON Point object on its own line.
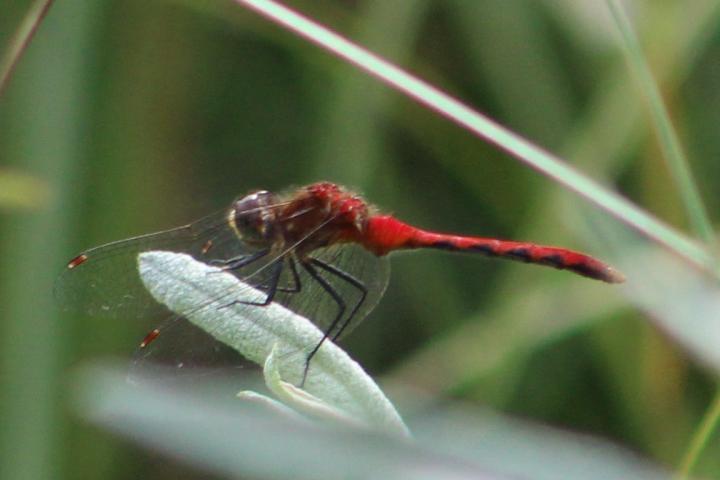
{"type": "Point", "coordinates": [45, 134]}
{"type": "Point", "coordinates": [355, 106]}
{"type": "Point", "coordinates": [670, 144]}
{"type": "Point", "coordinates": [483, 127]}
{"type": "Point", "coordinates": [21, 40]}
{"type": "Point", "coordinates": [700, 439]}
{"type": "Point", "coordinates": [531, 90]}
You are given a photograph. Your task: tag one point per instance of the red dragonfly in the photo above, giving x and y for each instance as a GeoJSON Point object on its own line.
{"type": "Point", "coordinates": [320, 251]}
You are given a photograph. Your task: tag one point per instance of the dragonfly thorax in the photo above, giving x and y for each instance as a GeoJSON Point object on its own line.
{"type": "Point", "coordinates": [322, 214]}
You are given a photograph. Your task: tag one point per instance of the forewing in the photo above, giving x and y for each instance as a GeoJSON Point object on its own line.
{"type": "Point", "coordinates": [104, 281]}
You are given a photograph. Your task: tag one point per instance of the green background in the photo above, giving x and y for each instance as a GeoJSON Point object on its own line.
{"type": "Point", "coordinates": [126, 117]}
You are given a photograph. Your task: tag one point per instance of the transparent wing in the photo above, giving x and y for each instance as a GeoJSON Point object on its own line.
{"type": "Point", "coordinates": [335, 288]}
{"type": "Point", "coordinates": [104, 281]}
{"type": "Point", "coordinates": [183, 351]}
{"type": "Point", "coordinates": [357, 277]}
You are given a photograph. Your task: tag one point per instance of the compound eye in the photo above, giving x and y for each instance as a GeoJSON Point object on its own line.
{"type": "Point", "coordinates": [252, 215]}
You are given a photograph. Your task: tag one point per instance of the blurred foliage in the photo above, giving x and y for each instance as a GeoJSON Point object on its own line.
{"type": "Point", "coordinates": [21, 191]}
{"type": "Point", "coordinates": [144, 115]}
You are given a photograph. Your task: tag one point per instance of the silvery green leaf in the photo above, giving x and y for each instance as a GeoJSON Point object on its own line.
{"type": "Point", "coordinates": [214, 300]}
{"type": "Point", "coordinates": [299, 399]}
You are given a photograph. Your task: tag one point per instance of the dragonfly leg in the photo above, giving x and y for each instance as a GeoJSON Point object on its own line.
{"type": "Point", "coordinates": [271, 288]}
{"type": "Point", "coordinates": [295, 288]}
{"type": "Point", "coordinates": [237, 263]}
{"type": "Point", "coordinates": [308, 266]}
{"type": "Point", "coordinates": [352, 281]}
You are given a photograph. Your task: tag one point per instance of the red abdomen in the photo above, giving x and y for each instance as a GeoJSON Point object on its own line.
{"type": "Point", "coordinates": [385, 233]}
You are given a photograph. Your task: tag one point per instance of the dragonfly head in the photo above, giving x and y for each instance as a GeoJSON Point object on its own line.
{"type": "Point", "coordinates": [252, 217]}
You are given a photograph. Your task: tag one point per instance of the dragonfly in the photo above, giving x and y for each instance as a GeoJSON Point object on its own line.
{"type": "Point", "coordinates": [320, 250]}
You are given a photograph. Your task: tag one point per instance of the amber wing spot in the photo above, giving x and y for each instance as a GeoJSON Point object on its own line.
{"type": "Point", "coordinates": [79, 260]}
{"type": "Point", "coordinates": [149, 338]}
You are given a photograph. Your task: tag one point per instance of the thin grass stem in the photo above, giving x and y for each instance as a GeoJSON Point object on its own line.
{"type": "Point", "coordinates": [669, 142]}
{"type": "Point", "coordinates": [700, 439]}
{"type": "Point", "coordinates": [21, 40]}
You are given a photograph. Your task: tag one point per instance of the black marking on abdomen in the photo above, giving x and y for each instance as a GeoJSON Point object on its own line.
{"type": "Point", "coordinates": [554, 261]}
{"type": "Point", "coordinates": [520, 253]}
{"type": "Point", "coordinates": [444, 245]}
{"type": "Point", "coordinates": [485, 249]}
{"type": "Point", "coordinates": [584, 270]}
